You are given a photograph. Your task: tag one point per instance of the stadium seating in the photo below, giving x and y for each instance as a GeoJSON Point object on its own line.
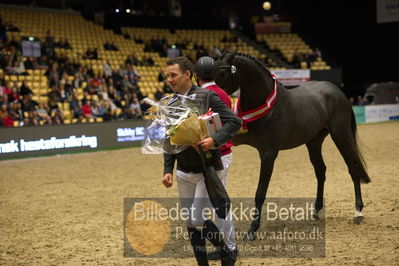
{"type": "Point", "coordinates": [288, 44]}
{"type": "Point", "coordinates": [83, 34]}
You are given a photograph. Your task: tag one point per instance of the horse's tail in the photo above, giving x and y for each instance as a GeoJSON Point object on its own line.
{"type": "Point", "coordinates": [361, 164]}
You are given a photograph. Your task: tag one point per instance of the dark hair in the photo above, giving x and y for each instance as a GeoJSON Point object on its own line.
{"type": "Point", "coordinates": [183, 63]}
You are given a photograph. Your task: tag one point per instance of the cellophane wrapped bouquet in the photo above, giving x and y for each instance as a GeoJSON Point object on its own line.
{"type": "Point", "coordinates": [172, 128]}
{"type": "Point", "coordinates": [175, 128]}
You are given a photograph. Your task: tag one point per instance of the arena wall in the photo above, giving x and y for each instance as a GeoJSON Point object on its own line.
{"type": "Point", "coordinates": [376, 113]}
{"type": "Point", "coordinates": [54, 139]}
{"type": "Point", "coordinates": [20, 142]}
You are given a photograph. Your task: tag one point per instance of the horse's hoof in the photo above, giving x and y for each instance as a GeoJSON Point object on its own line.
{"type": "Point", "coordinates": [249, 237]}
{"type": "Point", "coordinates": [358, 219]}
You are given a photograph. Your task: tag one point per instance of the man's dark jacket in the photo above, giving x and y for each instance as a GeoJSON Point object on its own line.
{"type": "Point", "coordinates": [189, 159]}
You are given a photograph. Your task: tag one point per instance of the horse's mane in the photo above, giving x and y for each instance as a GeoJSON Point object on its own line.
{"type": "Point", "coordinates": [256, 61]}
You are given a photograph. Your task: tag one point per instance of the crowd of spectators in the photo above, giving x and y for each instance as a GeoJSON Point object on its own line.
{"type": "Point", "coordinates": [75, 92]}
{"type": "Point", "coordinates": [306, 58]}
{"type": "Point", "coordinates": [110, 94]}
{"type": "Point", "coordinates": [360, 101]}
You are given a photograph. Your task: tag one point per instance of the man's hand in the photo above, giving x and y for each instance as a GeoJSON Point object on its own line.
{"type": "Point", "coordinates": [206, 144]}
{"type": "Point", "coordinates": [167, 180]}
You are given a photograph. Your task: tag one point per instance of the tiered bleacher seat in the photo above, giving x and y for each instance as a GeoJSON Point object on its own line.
{"type": "Point", "coordinates": [288, 44]}
{"type": "Point", "coordinates": [82, 34]}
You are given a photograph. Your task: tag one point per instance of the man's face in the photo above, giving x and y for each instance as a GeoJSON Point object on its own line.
{"type": "Point", "coordinates": [176, 79]}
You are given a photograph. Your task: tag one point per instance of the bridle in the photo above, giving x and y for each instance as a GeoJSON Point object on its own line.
{"type": "Point", "coordinates": [254, 113]}
{"type": "Point", "coordinates": [232, 72]}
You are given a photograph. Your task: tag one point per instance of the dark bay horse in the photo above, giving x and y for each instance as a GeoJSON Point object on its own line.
{"type": "Point", "coordinates": [303, 115]}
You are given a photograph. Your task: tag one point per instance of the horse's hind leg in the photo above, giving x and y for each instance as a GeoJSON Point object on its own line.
{"type": "Point", "coordinates": [344, 136]}
{"type": "Point", "coordinates": [314, 149]}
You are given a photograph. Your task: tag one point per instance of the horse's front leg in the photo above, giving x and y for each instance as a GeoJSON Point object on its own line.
{"type": "Point", "coordinates": [267, 162]}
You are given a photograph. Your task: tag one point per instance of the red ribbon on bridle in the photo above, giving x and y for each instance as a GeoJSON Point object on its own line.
{"type": "Point", "coordinates": [258, 112]}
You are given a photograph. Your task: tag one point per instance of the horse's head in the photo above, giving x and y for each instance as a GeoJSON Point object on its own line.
{"type": "Point", "coordinates": [225, 73]}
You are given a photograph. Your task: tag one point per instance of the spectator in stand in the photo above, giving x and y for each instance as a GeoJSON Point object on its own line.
{"type": "Point", "coordinates": [24, 89]}
{"type": "Point", "coordinates": [134, 75]}
{"type": "Point", "coordinates": [107, 116]}
{"type": "Point", "coordinates": [15, 112]}
{"type": "Point", "coordinates": [166, 88]}
{"type": "Point", "coordinates": [30, 62]}
{"type": "Point", "coordinates": [63, 43]}
{"type": "Point", "coordinates": [19, 110]}
{"type": "Point", "coordinates": [5, 119]}
{"type": "Point", "coordinates": [11, 27]}
{"type": "Point", "coordinates": [317, 52]}
{"type": "Point", "coordinates": [68, 87]}
{"type": "Point", "coordinates": [29, 120]}
{"type": "Point", "coordinates": [86, 110]}
{"type": "Point", "coordinates": [112, 93]}
{"type": "Point", "coordinates": [11, 68]}
{"type": "Point", "coordinates": [104, 93]}
{"type": "Point", "coordinates": [53, 98]}
{"type": "Point", "coordinates": [3, 99]}
{"type": "Point", "coordinates": [132, 59]}
{"type": "Point", "coordinates": [135, 108]}
{"type": "Point", "coordinates": [43, 113]}
{"type": "Point", "coordinates": [77, 110]}
{"type": "Point", "coordinates": [158, 94]}
{"type": "Point", "coordinates": [4, 91]}
{"type": "Point", "coordinates": [13, 96]}
{"type": "Point", "coordinates": [122, 71]}
{"type": "Point", "coordinates": [57, 117]}
{"type": "Point", "coordinates": [126, 83]}
{"type": "Point", "coordinates": [118, 101]}
{"type": "Point", "coordinates": [147, 46]}
{"type": "Point", "coordinates": [298, 58]}
{"type": "Point", "coordinates": [73, 103]}
{"type": "Point", "coordinates": [116, 79]}
{"type": "Point", "coordinates": [14, 43]}
{"type": "Point", "coordinates": [361, 100]}
{"type": "Point", "coordinates": [94, 86]}
{"type": "Point", "coordinates": [97, 109]}
{"type": "Point", "coordinates": [19, 68]}
{"type": "Point", "coordinates": [49, 44]}
{"type": "Point", "coordinates": [91, 54]}
{"type": "Point", "coordinates": [270, 63]}
{"type": "Point", "coordinates": [53, 74]}
{"type": "Point", "coordinates": [42, 62]}
{"type": "Point", "coordinates": [107, 69]}
{"type": "Point", "coordinates": [110, 46]}
{"type": "Point", "coordinates": [94, 108]}
{"type": "Point", "coordinates": [3, 34]}
{"type": "Point", "coordinates": [28, 104]}
{"type": "Point", "coordinates": [147, 61]}
{"type": "Point", "coordinates": [161, 75]}
{"type": "Point", "coordinates": [138, 40]}
{"type": "Point", "coordinates": [62, 93]}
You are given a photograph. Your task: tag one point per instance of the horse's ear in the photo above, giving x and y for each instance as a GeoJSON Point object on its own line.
{"type": "Point", "coordinates": [230, 57]}
{"type": "Point", "coordinates": [218, 54]}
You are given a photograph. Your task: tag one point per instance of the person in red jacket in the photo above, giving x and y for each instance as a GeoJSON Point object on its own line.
{"type": "Point", "coordinates": [203, 70]}
{"type": "Point", "coordinates": [86, 109]}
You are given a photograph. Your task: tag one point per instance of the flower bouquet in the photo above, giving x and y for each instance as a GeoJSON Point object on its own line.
{"type": "Point", "coordinates": [182, 127]}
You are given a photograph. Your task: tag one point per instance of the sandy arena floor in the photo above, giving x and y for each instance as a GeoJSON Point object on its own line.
{"type": "Point", "coordinates": [69, 209]}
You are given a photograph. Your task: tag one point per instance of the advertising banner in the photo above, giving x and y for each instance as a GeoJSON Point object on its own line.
{"type": "Point", "coordinates": [45, 140]}
{"type": "Point", "coordinates": [292, 77]}
{"type": "Point", "coordinates": [380, 113]}
{"type": "Point", "coordinates": [359, 114]}
{"type": "Point", "coordinates": [387, 11]}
